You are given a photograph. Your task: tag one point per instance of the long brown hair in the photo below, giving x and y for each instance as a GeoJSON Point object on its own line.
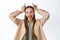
{"type": "Point", "coordinates": [26, 24]}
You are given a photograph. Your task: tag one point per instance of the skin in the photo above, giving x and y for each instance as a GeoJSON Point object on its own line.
{"type": "Point", "coordinates": [29, 13]}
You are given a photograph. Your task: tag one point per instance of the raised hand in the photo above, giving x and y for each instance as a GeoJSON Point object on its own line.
{"type": "Point", "coordinates": [23, 8]}
{"type": "Point", "coordinates": [35, 6]}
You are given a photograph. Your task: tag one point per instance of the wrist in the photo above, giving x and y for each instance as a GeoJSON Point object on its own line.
{"type": "Point", "coordinates": [36, 9]}
{"type": "Point", "coordinates": [20, 11]}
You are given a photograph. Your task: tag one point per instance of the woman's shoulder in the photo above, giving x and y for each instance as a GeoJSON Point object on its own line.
{"type": "Point", "coordinates": [38, 20]}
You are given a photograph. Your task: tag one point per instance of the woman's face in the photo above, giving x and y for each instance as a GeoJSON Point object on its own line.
{"type": "Point", "coordinates": [29, 13]}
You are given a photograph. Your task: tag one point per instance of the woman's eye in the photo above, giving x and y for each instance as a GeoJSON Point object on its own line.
{"type": "Point", "coordinates": [27, 12]}
{"type": "Point", "coordinates": [31, 12]}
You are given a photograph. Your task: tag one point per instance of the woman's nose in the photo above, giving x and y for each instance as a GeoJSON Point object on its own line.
{"type": "Point", "coordinates": [29, 13]}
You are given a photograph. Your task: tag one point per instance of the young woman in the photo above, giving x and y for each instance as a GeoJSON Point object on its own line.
{"type": "Point", "coordinates": [30, 28]}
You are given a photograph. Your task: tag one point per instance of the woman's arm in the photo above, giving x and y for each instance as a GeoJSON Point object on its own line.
{"type": "Point", "coordinates": [14, 14]}
{"type": "Point", "coordinates": [44, 13]}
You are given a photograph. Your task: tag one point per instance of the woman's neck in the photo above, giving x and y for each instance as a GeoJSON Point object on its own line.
{"type": "Point", "coordinates": [30, 20]}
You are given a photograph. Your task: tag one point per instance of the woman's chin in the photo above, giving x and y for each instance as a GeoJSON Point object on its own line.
{"type": "Point", "coordinates": [29, 19]}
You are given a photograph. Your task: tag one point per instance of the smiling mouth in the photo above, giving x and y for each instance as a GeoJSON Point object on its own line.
{"type": "Point", "coordinates": [30, 16]}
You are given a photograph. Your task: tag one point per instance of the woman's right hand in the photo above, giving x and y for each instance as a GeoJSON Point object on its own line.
{"type": "Point", "coordinates": [23, 8]}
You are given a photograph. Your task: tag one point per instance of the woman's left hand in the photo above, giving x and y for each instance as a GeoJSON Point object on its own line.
{"type": "Point", "coordinates": [35, 6]}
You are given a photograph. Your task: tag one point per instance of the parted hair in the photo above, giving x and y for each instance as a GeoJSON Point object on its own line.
{"type": "Point", "coordinates": [26, 24]}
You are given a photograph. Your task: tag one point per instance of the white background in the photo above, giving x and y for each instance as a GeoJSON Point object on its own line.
{"type": "Point", "coordinates": [8, 28]}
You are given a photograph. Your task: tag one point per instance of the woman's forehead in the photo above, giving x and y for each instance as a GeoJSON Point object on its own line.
{"type": "Point", "coordinates": [29, 9]}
